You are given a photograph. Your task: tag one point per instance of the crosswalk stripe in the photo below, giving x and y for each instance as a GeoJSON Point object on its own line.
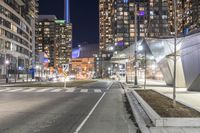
{"type": "Point", "coordinates": [97, 90]}
{"type": "Point", "coordinates": [70, 90]}
{"type": "Point", "coordinates": [15, 90]}
{"type": "Point", "coordinates": [56, 90]}
{"type": "Point", "coordinates": [29, 90]}
{"type": "Point", "coordinates": [5, 90]}
{"type": "Point", "coordinates": [84, 90]}
{"type": "Point", "coordinates": [43, 90]}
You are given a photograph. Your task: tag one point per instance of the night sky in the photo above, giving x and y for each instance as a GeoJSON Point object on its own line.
{"type": "Point", "coordinates": [84, 17]}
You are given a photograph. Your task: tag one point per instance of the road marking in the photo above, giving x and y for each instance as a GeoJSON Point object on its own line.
{"type": "Point", "coordinates": [70, 90]}
{"type": "Point", "coordinates": [110, 85]}
{"type": "Point", "coordinates": [84, 90]}
{"type": "Point", "coordinates": [29, 90]}
{"type": "Point", "coordinates": [15, 90]}
{"type": "Point", "coordinates": [43, 90]}
{"type": "Point", "coordinates": [90, 113]}
{"type": "Point", "coordinates": [5, 90]}
{"type": "Point", "coordinates": [56, 90]}
{"type": "Point", "coordinates": [97, 90]}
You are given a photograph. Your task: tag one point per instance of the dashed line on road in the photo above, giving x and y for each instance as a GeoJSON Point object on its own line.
{"type": "Point", "coordinates": [84, 90]}
{"type": "Point", "coordinates": [15, 90]}
{"type": "Point", "coordinates": [70, 90]}
{"type": "Point", "coordinates": [56, 90]}
{"type": "Point", "coordinates": [43, 90]}
{"type": "Point", "coordinates": [97, 90]}
{"type": "Point", "coordinates": [29, 90]}
{"type": "Point", "coordinates": [5, 90]}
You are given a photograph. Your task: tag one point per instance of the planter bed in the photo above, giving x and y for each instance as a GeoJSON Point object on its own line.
{"type": "Point", "coordinates": [162, 113]}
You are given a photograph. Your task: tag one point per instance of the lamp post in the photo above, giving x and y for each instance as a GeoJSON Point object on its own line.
{"type": "Point", "coordinates": [141, 48]}
{"type": "Point", "coordinates": [7, 62]}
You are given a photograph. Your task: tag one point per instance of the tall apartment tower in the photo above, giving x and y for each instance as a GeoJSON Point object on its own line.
{"type": "Point", "coordinates": [46, 42]}
{"type": "Point", "coordinates": [120, 24]}
{"type": "Point", "coordinates": [17, 35]}
{"type": "Point", "coordinates": [105, 25]}
{"type": "Point", "coordinates": [117, 23]}
{"type": "Point", "coordinates": [54, 39]}
{"type": "Point", "coordinates": [63, 40]}
{"type": "Point", "coordinates": [188, 16]}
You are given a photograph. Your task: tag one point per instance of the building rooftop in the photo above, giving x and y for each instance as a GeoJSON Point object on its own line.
{"type": "Point", "coordinates": [47, 17]}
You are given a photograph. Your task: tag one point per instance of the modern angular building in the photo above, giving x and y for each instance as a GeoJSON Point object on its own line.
{"type": "Point", "coordinates": [17, 35]}
{"type": "Point", "coordinates": [54, 40]}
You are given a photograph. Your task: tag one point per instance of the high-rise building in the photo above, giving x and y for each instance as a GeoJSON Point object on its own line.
{"type": "Point", "coordinates": [17, 35]}
{"type": "Point", "coordinates": [45, 41]}
{"type": "Point", "coordinates": [54, 40]}
{"type": "Point", "coordinates": [63, 42]}
{"type": "Point", "coordinates": [120, 24]}
{"type": "Point", "coordinates": [117, 23]}
{"type": "Point", "coordinates": [105, 25]}
{"type": "Point", "coordinates": [160, 16]}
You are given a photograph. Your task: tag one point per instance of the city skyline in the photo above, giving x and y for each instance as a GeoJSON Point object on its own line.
{"type": "Point", "coordinates": [100, 66]}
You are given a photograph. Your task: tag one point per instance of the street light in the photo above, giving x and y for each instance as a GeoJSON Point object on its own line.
{"type": "Point", "coordinates": [141, 48]}
{"type": "Point", "coordinates": [7, 62]}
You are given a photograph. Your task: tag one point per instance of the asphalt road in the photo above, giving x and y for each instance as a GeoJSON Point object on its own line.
{"type": "Point", "coordinates": [91, 108]}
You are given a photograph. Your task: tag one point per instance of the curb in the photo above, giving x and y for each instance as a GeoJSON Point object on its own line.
{"type": "Point", "coordinates": [140, 121]}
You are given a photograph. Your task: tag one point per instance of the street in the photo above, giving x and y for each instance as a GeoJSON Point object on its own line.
{"type": "Point", "coordinates": [91, 108]}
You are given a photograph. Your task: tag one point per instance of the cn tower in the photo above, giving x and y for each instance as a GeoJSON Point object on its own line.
{"type": "Point", "coordinates": [67, 11]}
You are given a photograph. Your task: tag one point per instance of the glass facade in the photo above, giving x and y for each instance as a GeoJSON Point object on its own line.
{"type": "Point", "coordinates": [17, 23]}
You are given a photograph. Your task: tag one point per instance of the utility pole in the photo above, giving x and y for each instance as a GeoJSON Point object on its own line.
{"type": "Point", "coordinates": [175, 53]}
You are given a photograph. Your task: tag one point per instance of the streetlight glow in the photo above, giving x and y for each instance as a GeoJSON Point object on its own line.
{"type": "Point", "coordinates": [140, 48]}
{"type": "Point", "coordinates": [7, 62]}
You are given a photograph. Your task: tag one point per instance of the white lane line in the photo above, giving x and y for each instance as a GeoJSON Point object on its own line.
{"type": "Point", "coordinates": [90, 113]}
{"type": "Point", "coordinates": [56, 90]}
{"type": "Point", "coordinates": [15, 90]}
{"type": "Point", "coordinates": [70, 90]}
{"type": "Point", "coordinates": [97, 91]}
{"type": "Point", "coordinates": [84, 90]}
{"type": "Point", "coordinates": [43, 90]}
{"type": "Point", "coordinates": [29, 90]}
{"type": "Point", "coordinates": [110, 85]}
{"type": "Point", "coordinates": [7, 89]}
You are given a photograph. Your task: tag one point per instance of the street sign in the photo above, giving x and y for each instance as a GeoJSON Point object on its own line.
{"type": "Point", "coordinates": [65, 67]}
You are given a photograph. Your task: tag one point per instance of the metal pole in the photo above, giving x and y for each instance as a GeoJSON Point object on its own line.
{"type": "Point", "coordinates": [175, 53]}
{"type": "Point", "coordinates": [136, 81]}
{"type": "Point", "coordinates": [145, 76]}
